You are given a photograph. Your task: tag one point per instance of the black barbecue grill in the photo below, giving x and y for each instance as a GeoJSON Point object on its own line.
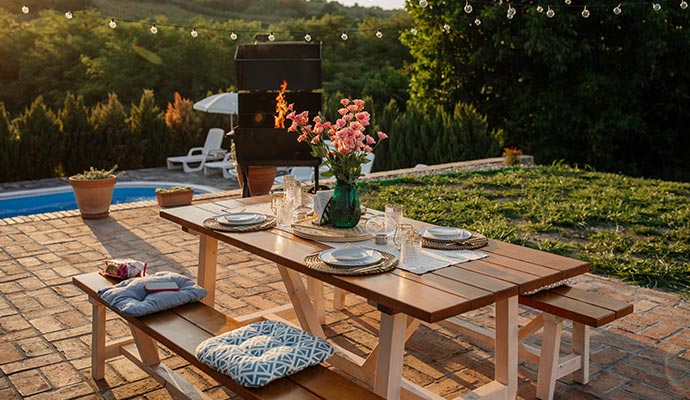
{"type": "Point", "coordinates": [261, 70]}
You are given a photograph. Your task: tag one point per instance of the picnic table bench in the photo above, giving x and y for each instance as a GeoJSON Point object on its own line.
{"type": "Point", "coordinates": [181, 329]}
{"type": "Point", "coordinates": [584, 309]}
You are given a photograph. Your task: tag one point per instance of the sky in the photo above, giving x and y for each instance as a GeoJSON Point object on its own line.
{"type": "Point", "coordinates": [385, 4]}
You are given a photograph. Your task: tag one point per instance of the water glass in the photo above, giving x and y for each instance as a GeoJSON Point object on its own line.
{"type": "Point", "coordinates": [411, 251]}
{"type": "Point", "coordinates": [394, 214]}
{"type": "Point", "coordinates": [284, 212]}
{"type": "Point", "coordinates": [293, 190]}
{"type": "Point", "coordinates": [402, 232]}
{"type": "Point", "coordinates": [275, 196]}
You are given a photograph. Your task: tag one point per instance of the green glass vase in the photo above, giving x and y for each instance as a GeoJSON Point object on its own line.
{"type": "Point", "coordinates": [343, 209]}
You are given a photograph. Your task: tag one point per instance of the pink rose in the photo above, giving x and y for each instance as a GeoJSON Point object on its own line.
{"type": "Point", "coordinates": [382, 135]}
{"type": "Point", "coordinates": [370, 140]}
{"type": "Point", "coordinates": [342, 111]}
{"type": "Point", "coordinates": [345, 102]}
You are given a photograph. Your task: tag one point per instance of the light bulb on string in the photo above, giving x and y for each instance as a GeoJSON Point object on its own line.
{"type": "Point", "coordinates": [271, 37]}
{"type": "Point", "coordinates": [423, 3]}
{"type": "Point", "coordinates": [585, 12]}
{"type": "Point", "coordinates": [617, 9]}
{"type": "Point", "coordinates": [307, 37]}
{"type": "Point", "coordinates": [112, 23]}
{"type": "Point", "coordinates": [379, 34]}
{"type": "Point", "coordinates": [656, 6]}
{"type": "Point", "coordinates": [154, 29]}
{"type": "Point", "coordinates": [446, 28]}
{"type": "Point", "coordinates": [233, 35]}
{"type": "Point", "coordinates": [468, 7]}
{"type": "Point", "coordinates": [477, 21]}
{"type": "Point", "coordinates": [68, 14]}
{"type": "Point", "coordinates": [540, 9]}
{"type": "Point", "coordinates": [194, 33]}
{"type": "Point", "coordinates": [511, 11]}
{"type": "Point", "coordinates": [550, 12]}
{"type": "Point", "coordinates": [344, 36]}
{"type": "Point", "coordinates": [567, 2]}
{"type": "Point", "coordinates": [25, 9]}
{"type": "Point", "coordinates": [683, 4]}
{"type": "Point", "coordinates": [413, 31]}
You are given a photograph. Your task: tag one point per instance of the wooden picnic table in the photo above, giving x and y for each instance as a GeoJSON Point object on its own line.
{"type": "Point", "coordinates": [402, 298]}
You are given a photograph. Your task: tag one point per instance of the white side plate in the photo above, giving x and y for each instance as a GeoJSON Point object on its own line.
{"type": "Point", "coordinates": [350, 257]}
{"type": "Point", "coordinates": [444, 233]}
{"type": "Point", "coordinates": [241, 218]}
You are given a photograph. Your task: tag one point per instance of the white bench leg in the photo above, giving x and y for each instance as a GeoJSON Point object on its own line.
{"type": "Point", "coordinates": [581, 347]}
{"type": "Point", "coordinates": [549, 359]}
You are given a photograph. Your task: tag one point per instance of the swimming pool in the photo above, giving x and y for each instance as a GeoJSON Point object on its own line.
{"type": "Point", "coordinates": [40, 201]}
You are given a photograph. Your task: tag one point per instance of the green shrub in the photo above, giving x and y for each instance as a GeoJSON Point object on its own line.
{"type": "Point", "coordinates": [39, 142]}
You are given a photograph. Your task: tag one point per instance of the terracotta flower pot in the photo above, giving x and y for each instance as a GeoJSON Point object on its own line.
{"type": "Point", "coordinates": [176, 198]}
{"type": "Point", "coordinates": [260, 179]}
{"type": "Point", "coordinates": [93, 196]}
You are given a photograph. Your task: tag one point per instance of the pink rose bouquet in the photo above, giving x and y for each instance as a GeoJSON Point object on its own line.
{"type": "Point", "coordinates": [348, 142]}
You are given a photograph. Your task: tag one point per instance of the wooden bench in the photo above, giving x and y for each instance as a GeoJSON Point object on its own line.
{"type": "Point", "coordinates": [585, 309]}
{"type": "Point", "coordinates": [562, 303]}
{"type": "Point", "coordinates": [181, 329]}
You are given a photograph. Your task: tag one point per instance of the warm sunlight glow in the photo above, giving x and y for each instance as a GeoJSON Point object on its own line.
{"type": "Point", "coordinates": [281, 107]}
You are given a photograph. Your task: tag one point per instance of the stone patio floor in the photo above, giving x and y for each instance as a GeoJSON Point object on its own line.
{"type": "Point", "coordinates": [45, 321]}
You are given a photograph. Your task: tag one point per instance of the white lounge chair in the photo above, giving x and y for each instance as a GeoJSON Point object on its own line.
{"type": "Point", "coordinates": [227, 166]}
{"type": "Point", "coordinates": [303, 174]}
{"type": "Point", "coordinates": [366, 168]}
{"type": "Point", "coordinates": [199, 155]}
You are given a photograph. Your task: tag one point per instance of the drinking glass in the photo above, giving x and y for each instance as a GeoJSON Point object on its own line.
{"type": "Point", "coordinates": [376, 226]}
{"type": "Point", "coordinates": [394, 214]}
{"type": "Point", "coordinates": [411, 250]}
{"type": "Point", "coordinates": [284, 212]}
{"type": "Point", "coordinates": [402, 232]}
{"type": "Point", "coordinates": [275, 196]}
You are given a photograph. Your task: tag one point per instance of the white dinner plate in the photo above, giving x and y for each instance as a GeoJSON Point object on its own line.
{"type": "Point", "coordinates": [237, 219]}
{"type": "Point", "coordinates": [444, 233]}
{"type": "Point", "coordinates": [350, 257]}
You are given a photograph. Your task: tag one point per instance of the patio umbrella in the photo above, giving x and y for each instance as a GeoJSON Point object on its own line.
{"type": "Point", "coordinates": [222, 103]}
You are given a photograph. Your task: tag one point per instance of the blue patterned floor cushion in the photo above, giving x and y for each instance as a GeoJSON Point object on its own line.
{"type": "Point", "coordinates": [131, 298]}
{"type": "Point", "coordinates": [259, 353]}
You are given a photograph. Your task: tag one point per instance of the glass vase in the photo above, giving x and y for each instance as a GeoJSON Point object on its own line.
{"type": "Point", "coordinates": [343, 209]}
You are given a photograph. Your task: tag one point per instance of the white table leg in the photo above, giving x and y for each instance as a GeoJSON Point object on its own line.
{"type": "Point", "coordinates": [391, 350]}
{"type": "Point", "coordinates": [507, 344]}
{"type": "Point", "coordinates": [208, 258]}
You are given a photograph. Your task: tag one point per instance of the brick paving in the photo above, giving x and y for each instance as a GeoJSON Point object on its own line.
{"type": "Point", "coordinates": [45, 321]}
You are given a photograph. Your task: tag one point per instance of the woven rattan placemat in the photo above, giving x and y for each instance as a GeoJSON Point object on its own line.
{"type": "Point", "coordinates": [388, 262]}
{"type": "Point", "coordinates": [474, 242]}
{"type": "Point", "coordinates": [268, 223]}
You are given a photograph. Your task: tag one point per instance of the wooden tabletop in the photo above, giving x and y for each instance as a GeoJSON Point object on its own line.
{"type": "Point", "coordinates": [508, 271]}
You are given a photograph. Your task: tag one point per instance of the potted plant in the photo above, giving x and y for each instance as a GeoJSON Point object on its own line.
{"type": "Point", "coordinates": [93, 190]}
{"type": "Point", "coordinates": [260, 177]}
{"type": "Point", "coordinates": [174, 196]}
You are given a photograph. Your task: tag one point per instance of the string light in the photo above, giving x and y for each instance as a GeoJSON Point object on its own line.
{"type": "Point", "coordinates": [154, 29]}
{"type": "Point", "coordinates": [585, 12]}
{"type": "Point", "coordinates": [567, 2]}
{"type": "Point", "coordinates": [112, 23]}
{"type": "Point", "coordinates": [683, 4]}
{"type": "Point", "coordinates": [511, 11]}
{"type": "Point", "coordinates": [233, 35]}
{"type": "Point", "coordinates": [468, 7]}
{"type": "Point", "coordinates": [25, 9]}
{"type": "Point", "coordinates": [617, 9]}
{"type": "Point", "coordinates": [379, 34]}
{"type": "Point", "coordinates": [550, 12]}
{"type": "Point", "coordinates": [423, 3]}
{"type": "Point", "coordinates": [446, 27]}
{"type": "Point", "coordinates": [271, 37]}
{"type": "Point", "coordinates": [540, 9]}
{"type": "Point", "coordinates": [656, 6]}
{"type": "Point", "coordinates": [194, 33]}
{"type": "Point", "coordinates": [477, 21]}
{"type": "Point", "coordinates": [69, 14]}
{"type": "Point", "coordinates": [307, 37]}
{"type": "Point", "coordinates": [344, 36]}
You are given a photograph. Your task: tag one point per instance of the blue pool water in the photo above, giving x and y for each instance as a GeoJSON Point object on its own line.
{"type": "Point", "coordinates": [63, 199]}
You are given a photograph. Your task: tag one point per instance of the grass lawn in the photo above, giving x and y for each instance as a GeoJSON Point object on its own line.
{"type": "Point", "coordinates": [635, 229]}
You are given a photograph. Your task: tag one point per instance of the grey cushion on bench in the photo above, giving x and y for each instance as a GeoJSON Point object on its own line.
{"type": "Point", "coordinates": [131, 298]}
{"type": "Point", "coordinates": [259, 353]}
